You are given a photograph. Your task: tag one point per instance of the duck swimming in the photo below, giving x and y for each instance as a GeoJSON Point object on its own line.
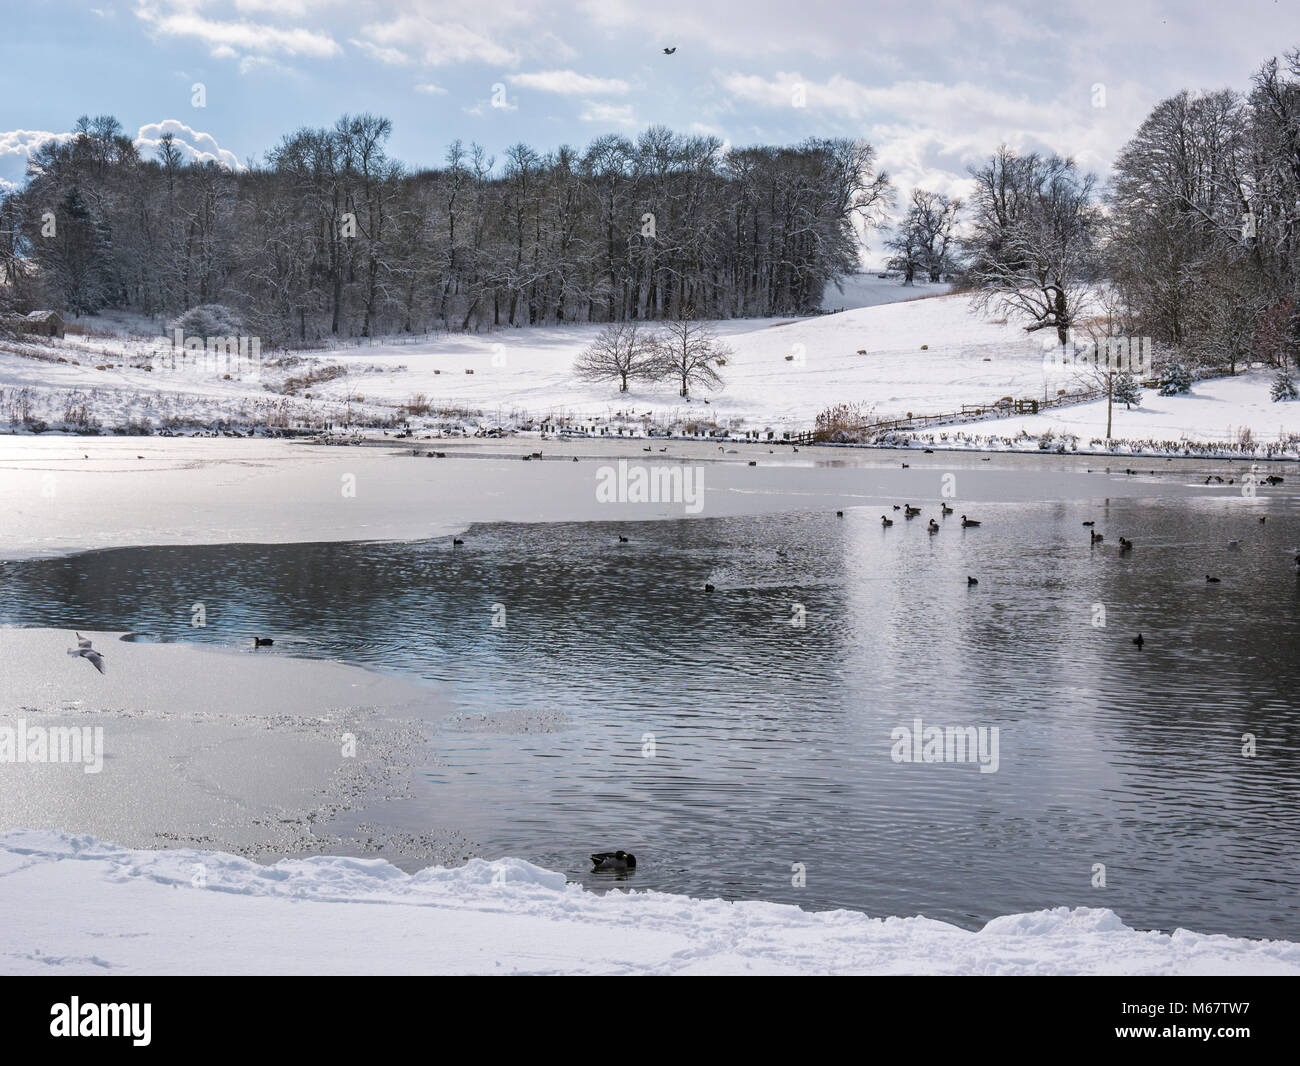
{"type": "Point", "coordinates": [886, 521]}
{"type": "Point", "coordinates": [934, 526]}
{"type": "Point", "coordinates": [944, 509]}
{"type": "Point", "coordinates": [613, 860]}
{"type": "Point", "coordinates": [972, 581]}
{"type": "Point", "coordinates": [262, 642]}
{"type": "Point", "coordinates": [1095, 537]}
{"type": "Point", "coordinates": [968, 522]}
{"type": "Point", "coordinates": [1212, 580]}
{"type": "Point", "coordinates": [1125, 545]}
{"type": "Point", "coordinates": [1138, 640]}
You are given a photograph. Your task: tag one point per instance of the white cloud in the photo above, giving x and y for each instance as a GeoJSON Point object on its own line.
{"type": "Point", "coordinates": [429, 89]}
{"type": "Point", "coordinates": [193, 144]}
{"type": "Point", "coordinates": [24, 142]}
{"type": "Point", "coordinates": [382, 53]}
{"type": "Point", "coordinates": [609, 114]}
{"type": "Point", "coordinates": [439, 41]}
{"type": "Point", "coordinates": [227, 38]}
{"type": "Point", "coordinates": [569, 82]}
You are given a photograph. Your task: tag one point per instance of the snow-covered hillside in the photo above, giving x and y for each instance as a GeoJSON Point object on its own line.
{"type": "Point", "coordinates": [914, 355]}
{"type": "Point", "coordinates": [78, 906]}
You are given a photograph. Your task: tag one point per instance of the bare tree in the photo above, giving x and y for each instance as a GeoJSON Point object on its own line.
{"type": "Point", "coordinates": [688, 351]}
{"type": "Point", "coordinates": [1034, 238]}
{"type": "Point", "coordinates": [621, 351]}
{"type": "Point", "coordinates": [924, 239]}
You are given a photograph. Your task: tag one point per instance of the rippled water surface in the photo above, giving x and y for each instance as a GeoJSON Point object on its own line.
{"type": "Point", "coordinates": [771, 741]}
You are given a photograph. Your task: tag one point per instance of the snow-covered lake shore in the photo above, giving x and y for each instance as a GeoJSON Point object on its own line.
{"type": "Point", "coordinates": [76, 905]}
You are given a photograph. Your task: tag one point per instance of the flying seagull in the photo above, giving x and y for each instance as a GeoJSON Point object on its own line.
{"type": "Point", "coordinates": [85, 651]}
{"type": "Point", "coordinates": [670, 51]}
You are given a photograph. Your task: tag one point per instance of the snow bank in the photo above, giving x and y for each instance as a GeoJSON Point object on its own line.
{"type": "Point", "coordinates": [76, 905]}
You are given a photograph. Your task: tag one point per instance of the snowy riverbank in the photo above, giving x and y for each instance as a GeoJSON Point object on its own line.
{"type": "Point", "coordinates": [75, 905]}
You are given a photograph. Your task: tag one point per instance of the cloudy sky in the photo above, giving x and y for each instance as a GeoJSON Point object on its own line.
{"type": "Point", "coordinates": [934, 85]}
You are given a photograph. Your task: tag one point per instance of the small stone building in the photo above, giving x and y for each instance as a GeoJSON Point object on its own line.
{"type": "Point", "coordinates": [43, 323]}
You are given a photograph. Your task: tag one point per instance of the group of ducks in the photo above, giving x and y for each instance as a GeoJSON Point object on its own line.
{"type": "Point", "coordinates": [910, 512]}
{"type": "Point", "coordinates": [1126, 545]}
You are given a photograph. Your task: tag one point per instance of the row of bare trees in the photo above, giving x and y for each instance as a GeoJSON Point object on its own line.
{"type": "Point", "coordinates": [1195, 241]}
{"type": "Point", "coordinates": [683, 349]}
{"type": "Point", "coordinates": [331, 236]}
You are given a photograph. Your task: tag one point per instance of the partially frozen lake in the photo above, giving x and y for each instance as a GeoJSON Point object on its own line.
{"type": "Point", "coordinates": [622, 706]}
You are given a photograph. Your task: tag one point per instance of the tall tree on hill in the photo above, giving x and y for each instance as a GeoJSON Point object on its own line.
{"type": "Point", "coordinates": [1034, 238]}
{"type": "Point", "coordinates": [924, 239]}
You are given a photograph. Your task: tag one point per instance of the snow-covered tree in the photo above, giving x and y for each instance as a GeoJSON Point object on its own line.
{"type": "Point", "coordinates": [1126, 390]}
{"type": "Point", "coordinates": [209, 320]}
{"type": "Point", "coordinates": [1284, 387]}
{"type": "Point", "coordinates": [1175, 379]}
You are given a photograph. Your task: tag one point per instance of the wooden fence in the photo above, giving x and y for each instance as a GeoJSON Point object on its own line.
{"type": "Point", "coordinates": [1003, 408]}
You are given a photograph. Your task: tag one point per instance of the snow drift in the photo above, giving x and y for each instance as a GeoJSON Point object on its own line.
{"type": "Point", "coordinates": [79, 905]}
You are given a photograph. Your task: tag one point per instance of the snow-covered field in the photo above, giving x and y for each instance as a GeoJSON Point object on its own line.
{"type": "Point", "coordinates": [75, 905]}
{"type": "Point", "coordinates": [897, 351]}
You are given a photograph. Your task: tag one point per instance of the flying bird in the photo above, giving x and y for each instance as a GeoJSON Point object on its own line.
{"type": "Point", "coordinates": [670, 51]}
{"type": "Point", "coordinates": [85, 651]}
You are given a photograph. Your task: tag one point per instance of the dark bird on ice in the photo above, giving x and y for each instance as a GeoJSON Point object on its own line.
{"type": "Point", "coordinates": [1212, 580]}
{"type": "Point", "coordinates": [839, 514]}
{"type": "Point", "coordinates": [972, 581]}
{"type": "Point", "coordinates": [455, 541]}
{"type": "Point", "coordinates": [708, 588]}
{"type": "Point", "coordinates": [613, 860]}
{"type": "Point", "coordinates": [262, 642]}
{"type": "Point", "coordinates": [85, 651]}
{"type": "Point", "coordinates": [622, 539]}
{"type": "Point", "coordinates": [1138, 640]}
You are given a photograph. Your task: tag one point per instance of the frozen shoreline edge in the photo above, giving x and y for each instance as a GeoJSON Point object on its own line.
{"type": "Point", "coordinates": [187, 910]}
